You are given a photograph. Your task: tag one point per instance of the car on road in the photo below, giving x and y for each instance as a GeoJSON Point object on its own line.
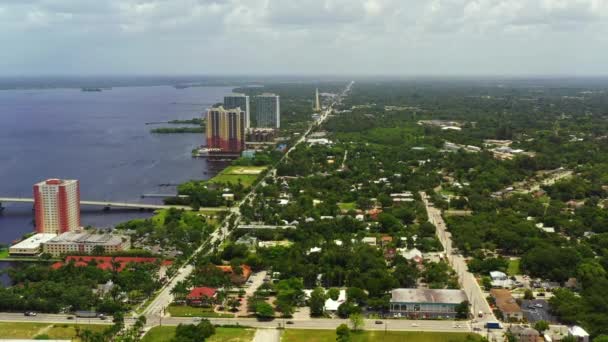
{"type": "Point", "coordinates": [70, 317]}
{"type": "Point", "coordinates": [29, 313]}
{"type": "Point", "coordinates": [379, 322]}
{"type": "Point", "coordinates": [538, 305]}
{"type": "Point", "coordinates": [289, 322]}
{"type": "Point", "coordinates": [415, 324]}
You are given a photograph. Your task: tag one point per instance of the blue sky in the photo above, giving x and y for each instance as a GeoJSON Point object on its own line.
{"type": "Point", "coordinates": [373, 37]}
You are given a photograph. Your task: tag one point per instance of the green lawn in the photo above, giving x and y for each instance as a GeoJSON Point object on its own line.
{"type": "Point", "coordinates": [298, 335]}
{"type": "Point", "coordinates": [163, 334]}
{"type": "Point", "coordinates": [347, 206]}
{"type": "Point", "coordinates": [513, 268]}
{"type": "Point", "coordinates": [3, 253]}
{"type": "Point", "coordinates": [188, 311]}
{"type": "Point", "coordinates": [54, 331]}
{"type": "Point", "coordinates": [232, 174]}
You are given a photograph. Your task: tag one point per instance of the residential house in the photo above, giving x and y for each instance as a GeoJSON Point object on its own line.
{"type": "Point", "coordinates": [524, 334]}
{"type": "Point", "coordinates": [507, 304]}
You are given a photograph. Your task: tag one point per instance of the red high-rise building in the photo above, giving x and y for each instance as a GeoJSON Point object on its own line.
{"type": "Point", "coordinates": [57, 205]}
{"type": "Point", "coordinates": [226, 129]}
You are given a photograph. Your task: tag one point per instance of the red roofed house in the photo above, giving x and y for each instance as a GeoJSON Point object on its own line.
{"type": "Point", "coordinates": [201, 296]}
{"type": "Point", "coordinates": [106, 262]}
{"type": "Point", "coordinates": [237, 278]}
{"type": "Point", "coordinates": [373, 213]}
{"type": "Point", "coordinates": [385, 240]}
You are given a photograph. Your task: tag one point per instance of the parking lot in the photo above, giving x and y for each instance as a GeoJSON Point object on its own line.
{"type": "Point", "coordinates": [537, 310]}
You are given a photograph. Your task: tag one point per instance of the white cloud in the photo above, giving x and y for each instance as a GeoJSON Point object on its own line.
{"type": "Point", "coordinates": [312, 36]}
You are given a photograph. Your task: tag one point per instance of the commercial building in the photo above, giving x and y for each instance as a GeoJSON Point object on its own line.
{"type": "Point", "coordinates": [507, 305]}
{"type": "Point", "coordinates": [425, 303]}
{"type": "Point", "coordinates": [57, 205]}
{"type": "Point", "coordinates": [241, 101]}
{"type": "Point", "coordinates": [267, 111]}
{"type": "Point", "coordinates": [237, 278]}
{"type": "Point", "coordinates": [30, 246]}
{"type": "Point", "coordinates": [201, 296]}
{"type": "Point", "coordinates": [226, 129]}
{"type": "Point", "coordinates": [86, 242]}
{"type": "Point", "coordinates": [261, 135]}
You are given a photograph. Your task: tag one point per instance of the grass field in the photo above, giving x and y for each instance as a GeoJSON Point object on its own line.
{"type": "Point", "coordinates": [54, 331]}
{"type": "Point", "coordinates": [163, 334]}
{"type": "Point", "coordinates": [3, 253]}
{"type": "Point", "coordinates": [188, 311]}
{"type": "Point", "coordinates": [232, 174]}
{"type": "Point", "coordinates": [298, 335]}
{"type": "Point", "coordinates": [513, 267]}
{"type": "Point", "coordinates": [347, 206]}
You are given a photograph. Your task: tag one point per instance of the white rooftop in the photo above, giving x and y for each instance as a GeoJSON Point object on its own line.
{"type": "Point", "coordinates": [34, 241]}
{"type": "Point", "coordinates": [577, 331]}
{"type": "Point", "coordinates": [332, 305]}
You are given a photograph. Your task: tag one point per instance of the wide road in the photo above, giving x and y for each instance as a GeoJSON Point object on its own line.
{"type": "Point", "coordinates": [309, 323]}
{"type": "Point", "coordinates": [469, 284]}
{"type": "Point", "coordinates": [155, 310]}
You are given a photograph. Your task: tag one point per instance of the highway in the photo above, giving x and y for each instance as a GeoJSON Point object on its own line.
{"type": "Point", "coordinates": [154, 312]}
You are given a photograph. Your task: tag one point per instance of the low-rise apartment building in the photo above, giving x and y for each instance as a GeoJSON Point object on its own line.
{"type": "Point", "coordinates": [86, 242]}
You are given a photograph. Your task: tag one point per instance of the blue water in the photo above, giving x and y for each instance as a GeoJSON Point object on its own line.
{"type": "Point", "coordinates": [101, 139]}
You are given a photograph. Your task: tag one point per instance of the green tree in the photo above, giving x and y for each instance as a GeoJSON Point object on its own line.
{"type": "Point", "coordinates": [333, 293]}
{"type": "Point", "coordinates": [264, 310]}
{"type": "Point", "coordinates": [317, 302]}
{"type": "Point", "coordinates": [528, 294]}
{"type": "Point", "coordinates": [193, 333]}
{"type": "Point", "coordinates": [356, 320]}
{"type": "Point", "coordinates": [541, 326]}
{"type": "Point", "coordinates": [462, 310]}
{"type": "Point", "coordinates": [343, 333]}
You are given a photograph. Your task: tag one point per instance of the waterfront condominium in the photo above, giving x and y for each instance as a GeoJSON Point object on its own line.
{"type": "Point", "coordinates": [226, 129]}
{"type": "Point", "coordinates": [267, 111]}
{"type": "Point", "coordinates": [238, 101]}
{"type": "Point", "coordinates": [57, 206]}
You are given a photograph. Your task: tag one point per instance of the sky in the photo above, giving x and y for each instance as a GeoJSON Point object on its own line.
{"type": "Point", "coordinates": [308, 37]}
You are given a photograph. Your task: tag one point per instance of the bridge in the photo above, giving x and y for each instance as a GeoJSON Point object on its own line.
{"type": "Point", "coordinates": [109, 205]}
{"type": "Point", "coordinates": [264, 226]}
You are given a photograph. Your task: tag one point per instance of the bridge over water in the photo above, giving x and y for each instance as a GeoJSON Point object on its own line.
{"type": "Point", "coordinates": [109, 205]}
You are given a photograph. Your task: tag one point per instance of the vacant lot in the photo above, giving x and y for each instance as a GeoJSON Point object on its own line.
{"type": "Point", "coordinates": [53, 331]}
{"type": "Point", "coordinates": [233, 174]}
{"type": "Point", "coordinates": [298, 335]}
{"type": "Point", "coordinates": [163, 334]}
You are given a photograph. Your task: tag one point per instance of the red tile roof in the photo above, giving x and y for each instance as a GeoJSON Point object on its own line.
{"type": "Point", "coordinates": [200, 292]}
{"type": "Point", "coordinates": [228, 269]}
{"type": "Point", "coordinates": [105, 262]}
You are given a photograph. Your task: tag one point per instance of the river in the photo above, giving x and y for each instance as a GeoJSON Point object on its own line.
{"type": "Point", "coordinates": [101, 139]}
